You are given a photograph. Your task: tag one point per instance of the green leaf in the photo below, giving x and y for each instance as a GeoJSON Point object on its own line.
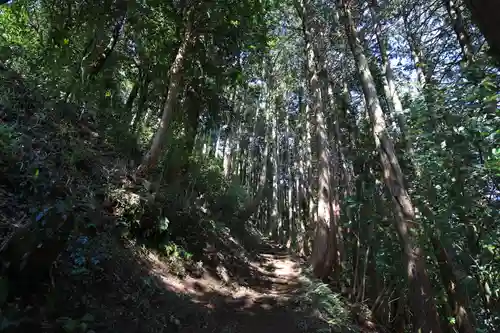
{"type": "Point", "coordinates": [272, 43]}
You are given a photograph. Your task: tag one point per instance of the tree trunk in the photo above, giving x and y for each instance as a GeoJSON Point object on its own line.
{"type": "Point", "coordinates": [263, 186]}
{"type": "Point", "coordinates": [98, 63]}
{"type": "Point", "coordinates": [416, 54]}
{"type": "Point", "coordinates": [457, 22]}
{"type": "Point", "coordinates": [456, 300]}
{"type": "Point", "coordinates": [151, 158]}
{"type": "Point", "coordinates": [395, 105]}
{"type": "Point", "coordinates": [425, 316]}
{"type": "Point", "coordinates": [272, 197]}
{"type": "Point", "coordinates": [302, 195]}
{"type": "Point", "coordinates": [191, 121]}
{"type": "Point", "coordinates": [229, 145]}
{"type": "Point", "coordinates": [324, 256]}
{"type": "Point", "coordinates": [130, 103]}
{"type": "Point", "coordinates": [399, 314]}
{"type": "Point", "coordinates": [484, 13]}
{"type": "Point", "coordinates": [141, 103]}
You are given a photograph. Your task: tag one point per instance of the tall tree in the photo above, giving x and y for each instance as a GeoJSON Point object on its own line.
{"type": "Point", "coordinates": [425, 317]}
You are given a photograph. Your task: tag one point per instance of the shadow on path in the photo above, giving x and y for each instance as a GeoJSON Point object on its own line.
{"type": "Point", "coordinates": [134, 292]}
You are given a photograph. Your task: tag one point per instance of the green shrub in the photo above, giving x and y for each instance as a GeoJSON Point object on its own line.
{"type": "Point", "coordinates": [329, 306]}
{"type": "Point", "coordinates": [8, 138]}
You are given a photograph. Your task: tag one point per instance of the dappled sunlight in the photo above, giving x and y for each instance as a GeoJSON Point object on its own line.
{"type": "Point", "coordinates": [280, 282]}
{"type": "Point", "coordinates": [263, 307]}
{"type": "Point", "coordinates": [249, 166]}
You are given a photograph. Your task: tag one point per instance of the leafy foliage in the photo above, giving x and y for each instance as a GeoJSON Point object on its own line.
{"type": "Point", "coordinates": [259, 107]}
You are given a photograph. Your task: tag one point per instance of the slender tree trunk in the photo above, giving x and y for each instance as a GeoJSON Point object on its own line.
{"type": "Point", "coordinates": [399, 314]}
{"type": "Point", "coordinates": [416, 53]}
{"type": "Point", "coordinates": [425, 316]}
{"type": "Point", "coordinates": [242, 158]}
{"type": "Point", "coordinates": [456, 300]}
{"type": "Point", "coordinates": [236, 152]}
{"type": "Point", "coordinates": [151, 158]}
{"type": "Point", "coordinates": [229, 146]}
{"type": "Point", "coordinates": [129, 105]}
{"type": "Point", "coordinates": [457, 22]}
{"type": "Point", "coordinates": [273, 192]}
{"type": "Point", "coordinates": [228, 156]}
{"type": "Point", "coordinates": [291, 236]}
{"type": "Point", "coordinates": [390, 91]}
{"type": "Point", "coordinates": [340, 173]}
{"type": "Point", "coordinates": [141, 103]}
{"type": "Point", "coordinates": [303, 199]}
{"type": "Point", "coordinates": [98, 64]}
{"type": "Point", "coordinates": [191, 122]}
{"type": "Point", "coordinates": [263, 186]}
{"type": "Point", "coordinates": [324, 257]}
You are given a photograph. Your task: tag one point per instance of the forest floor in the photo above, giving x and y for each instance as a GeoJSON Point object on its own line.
{"type": "Point", "coordinates": [136, 291]}
{"type": "Point", "coordinates": [73, 272]}
{"type": "Point", "coordinates": [263, 302]}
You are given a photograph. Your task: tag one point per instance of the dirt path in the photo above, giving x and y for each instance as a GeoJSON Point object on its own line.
{"type": "Point", "coordinates": [260, 302]}
{"type": "Point", "coordinates": [137, 293]}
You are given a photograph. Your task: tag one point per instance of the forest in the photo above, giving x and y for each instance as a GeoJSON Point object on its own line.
{"type": "Point", "coordinates": [250, 166]}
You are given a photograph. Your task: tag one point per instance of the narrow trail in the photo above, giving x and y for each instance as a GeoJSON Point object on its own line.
{"type": "Point", "coordinates": [261, 301]}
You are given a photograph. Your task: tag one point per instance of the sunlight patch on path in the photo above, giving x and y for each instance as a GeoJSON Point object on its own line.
{"type": "Point", "coordinates": [282, 271]}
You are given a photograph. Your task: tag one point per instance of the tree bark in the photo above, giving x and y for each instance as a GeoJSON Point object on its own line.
{"type": "Point", "coordinates": [272, 196]}
{"type": "Point", "coordinates": [151, 158]}
{"type": "Point", "coordinates": [484, 13]}
{"type": "Point", "coordinates": [456, 300]}
{"type": "Point", "coordinates": [141, 103]}
{"type": "Point", "coordinates": [395, 105]}
{"type": "Point", "coordinates": [417, 55]}
{"type": "Point", "coordinates": [324, 256]}
{"type": "Point", "coordinates": [98, 64]}
{"type": "Point", "coordinates": [130, 102]}
{"type": "Point", "coordinates": [425, 316]}
{"type": "Point", "coordinates": [457, 22]}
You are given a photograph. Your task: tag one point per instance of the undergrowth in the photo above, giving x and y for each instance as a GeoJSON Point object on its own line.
{"type": "Point", "coordinates": [328, 305]}
{"type": "Point", "coordinates": [75, 218]}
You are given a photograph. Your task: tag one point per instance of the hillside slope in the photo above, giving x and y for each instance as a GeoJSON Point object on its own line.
{"type": "Point", "coordinates": [73, 262]}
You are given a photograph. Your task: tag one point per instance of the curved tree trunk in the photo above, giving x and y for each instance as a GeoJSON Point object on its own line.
{"type": "Point", "coordinates": [151, 158]}
{"type": "Point", "coordinates": [98, 64]}
{"type": "Point", "coordinates": [425, 316]}
{"type": "Point", "coordinates": [457, 22]}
